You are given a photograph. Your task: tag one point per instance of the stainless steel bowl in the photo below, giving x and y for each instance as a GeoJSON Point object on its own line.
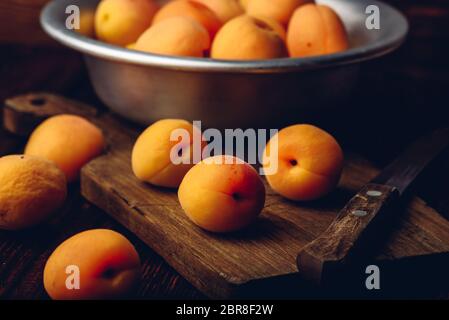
{"type": "Point", "coordinates": [227, 94]}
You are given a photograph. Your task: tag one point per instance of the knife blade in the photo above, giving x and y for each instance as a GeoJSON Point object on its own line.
{"type": "Point", "coordinates": [365, 213]}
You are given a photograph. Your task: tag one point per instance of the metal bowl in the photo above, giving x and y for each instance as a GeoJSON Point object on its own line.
{"type": "Point", "coordinates": [227, 94]}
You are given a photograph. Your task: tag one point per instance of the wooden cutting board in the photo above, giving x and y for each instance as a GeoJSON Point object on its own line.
{"type": "Point", "coordinates": [263, 256]}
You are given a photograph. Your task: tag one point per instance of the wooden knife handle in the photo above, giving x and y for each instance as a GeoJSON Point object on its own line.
{"type": "Point", "coordinates": [354, 221]}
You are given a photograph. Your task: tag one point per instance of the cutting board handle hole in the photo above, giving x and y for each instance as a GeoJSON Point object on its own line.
{"type": "Point", "coordinates": [38, 102]}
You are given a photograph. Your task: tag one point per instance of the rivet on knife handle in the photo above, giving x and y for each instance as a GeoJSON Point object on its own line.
{"type": "Point", "coordinates": [338, 241]}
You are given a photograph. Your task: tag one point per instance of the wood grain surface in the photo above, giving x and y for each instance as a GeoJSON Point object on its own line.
{"type": "Point", "coordinates": [222, 266]}
{"type": "Point", "coordinates": [23, 254]}
{"type": "Point", "coordinates": [19, 23]}
{"type": "Point", "coordinates": [356, 228]}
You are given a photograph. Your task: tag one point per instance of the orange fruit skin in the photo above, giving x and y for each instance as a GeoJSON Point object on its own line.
{"type": "Point", "coordinates": [108, 264]}
{"type": "Point", "coordinates": [279, 10]}
{"type": "Point", "coordinates": [191, 9]}
{"type": "Point", "coordinates": [177, 36]}
{"type": "Point", "coordinates": [121, 22]}
{"type": "Point", "coordinates": [31, 190]}
{"type": "Point", "coordinates": [87, 24]}
{"type": "Point", "coordinates": [276, 26]}
{"type": "Point", "coordinates": [310, 162]}
{"type": "Point", "coordinates": [151, 161]}
{"type": "Point", "coordinates": [224, 9]}
{"type": "Point", "coordinates": [248, 38]}
{"type": "Point", "coordinates": [221, 197]}
{"type": "Point", "coordinates": [316, 30]}
{"type": "Point", "coordinates": [69, 141]}
{"type": "Point", "coordinates": [244, 4]}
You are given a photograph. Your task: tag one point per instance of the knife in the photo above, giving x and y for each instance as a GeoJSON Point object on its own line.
{"type": "Point", "coordinates": [365, 213]}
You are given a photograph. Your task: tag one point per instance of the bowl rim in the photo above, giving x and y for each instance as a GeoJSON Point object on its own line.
{"type": "Point", "coordinates": [56, 29]}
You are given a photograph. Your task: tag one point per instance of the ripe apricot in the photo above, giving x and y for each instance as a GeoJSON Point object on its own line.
{"type": "Point", "coordinates": [222, 194]}
{"type": "Point", "coordinates": [310, 162]}
{"type": "Point", "coordinates": [69, 141]}
{"type": "Point", "coordinates": [121, 22]}
{"type": "Point", "coordinates": [177, 36]}
{"type": "Point", "coordinates": [106, 264]}
{"type": "Point", "coordinates": [191, 9]}
{"type": "Point", "coordinates": [31, 189]}
{"type": "Point", "coordinates": [276, 26]}
{"type": "Point", "coordinates": [224, 9]}
{"type": "Point", "coordinates": [316, 30]}
{"type": "Point", "coordinates": [131, 46]}
{"type": "Point", "coordinates": [152, 155]}
{"type": "Point", "coordinates": [87, 23]}
{"type": "Point", "coordinates": [248, 38]}
{"type": "Point", "coordinates": [244, 4]}
{"type": "Point", "coordinates": [280, 10]}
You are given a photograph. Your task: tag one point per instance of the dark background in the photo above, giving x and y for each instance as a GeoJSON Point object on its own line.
{"type": "Point", "coordinates": [399, 97]}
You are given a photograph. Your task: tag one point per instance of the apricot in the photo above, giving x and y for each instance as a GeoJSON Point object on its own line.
{"type": "Point", "coordinates": [154, 152]}
{"type": "Point", "coordinates": [280, 10]}
{"type": "Point", "coordinates": [316, 30]}
{"type": "Point", "coordinates": [131, 46]}
{"type": "Point", "coordinates": [121, 22]}
{"type": "Point", "coordinates": [248, 38]}
{"type": "Point", "coordinates": [276, 26]}
{"type": "Point", "coordinates": [87, 23]}
{"type": "Point", "coordinates": [177, 36]}
{"type": "Point", "coordinates": [31, 189]}
{"type": "Point", "coordinates": [224, 9]}
{"type": "Point", "coordinates": [69, 141]}
{"type": "Point", "coordinates": [190, 9]}
{"type": "Point", "coordinates": [94, 264]}
{"type": "Point", "coordinates": [310, 162]}
{"type": "Point", "coordinates": [222, 194]}
{"type": "Point", "coordinates": [244, 4]}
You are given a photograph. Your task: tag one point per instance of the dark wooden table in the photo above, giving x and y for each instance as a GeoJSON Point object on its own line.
{"type": "Point", "coordinates": [399, 97]}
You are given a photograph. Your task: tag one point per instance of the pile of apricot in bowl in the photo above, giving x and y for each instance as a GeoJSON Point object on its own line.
{"type": "Point", "coordinates": [219, 29]}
